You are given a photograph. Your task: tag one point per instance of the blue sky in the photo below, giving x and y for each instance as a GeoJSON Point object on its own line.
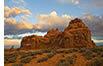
{"type": "Point", "coordinates": [47, 6]}
{"type": "Point", "coordinates": [91, 12]}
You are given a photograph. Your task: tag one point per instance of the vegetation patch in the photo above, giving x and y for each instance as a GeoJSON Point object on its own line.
{"type": "Point", "coordinates": [27, 59]}
{"type": "Point", "coordinates": [42, 59]}
{"type": "Point", "coordinates": [62, 62]}
{"type": "Point", "coordinates": [50, 55]}
{"type": "Point", "coordinates": [47, 50]}
{"type": "Point", "coordinates": [20, 64]}
{"type": "Point", "coordinates": [96, 62]}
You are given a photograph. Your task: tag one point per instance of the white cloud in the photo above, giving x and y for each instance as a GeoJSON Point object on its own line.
{"type": "Point", "coordinates": [46, 22]}
{"type": "Point", "coordinates": [12, 12]}
{"type": "Point", "coordinates": [12, 24]}
{"type": "Point", "coordinates": [24, 18]}
{"type": "Point", "coordinates": [69, 1]}
{"type": "Point", "coordinates": [53, 21]}
{"type": "Point", "coordinates": [98, 41]}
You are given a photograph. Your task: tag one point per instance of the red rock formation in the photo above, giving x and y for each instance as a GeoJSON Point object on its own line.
{"type": "Point", "coordinates": [76, 35]}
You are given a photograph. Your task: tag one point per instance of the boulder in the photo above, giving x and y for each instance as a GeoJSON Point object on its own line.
{"type": "Point", "coordinates": [75, 35]}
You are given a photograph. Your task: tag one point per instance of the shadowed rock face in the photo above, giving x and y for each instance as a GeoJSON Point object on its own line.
{"type": "Point", "coordinates": [75, 35]}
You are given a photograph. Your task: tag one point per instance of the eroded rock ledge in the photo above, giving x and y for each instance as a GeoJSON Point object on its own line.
{"type": "Point", "coordinates": [75, 35]}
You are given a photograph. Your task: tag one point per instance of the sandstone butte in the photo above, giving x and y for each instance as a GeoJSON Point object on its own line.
{"type": "Point", "coordinates": [75, 35]}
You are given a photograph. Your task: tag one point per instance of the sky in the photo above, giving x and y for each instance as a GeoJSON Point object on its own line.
{"type": "Point", "coordinates": [27, 17]}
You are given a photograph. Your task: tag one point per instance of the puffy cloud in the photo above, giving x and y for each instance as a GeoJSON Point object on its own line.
{"type": "Point", "coordinates": [46, 22]}
{"type": "Point", "coordinates": [95, 23]}
{"type": "Point", "coordinates": [24, 18]}
{"type": "Point", "coordinates": [12, 42]}
{"type": "Point", "coordinates": [53, 21]}
{"type": "Point", "coordinates": [6, 8]}
{"type": "Point", "coordinates": [69, 1]}
{"type": "Point", "coordinates": [14, 12]}
{"type": "Point", "coordinates": [26, 12]}
{"type": "Point", "coordinates": [98, 41]}
{"type": "Point", "coordinates": [12, 24]}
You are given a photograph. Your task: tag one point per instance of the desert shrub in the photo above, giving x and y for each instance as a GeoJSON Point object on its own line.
{"type": "Point", "coordinates": [75, 50]}
{"type": "Point", "coordinates": [68, 51]}
{"type": "Point", "coordinates": [62, 62]}
{"type": "Point", "coordinates": [60, 51]}
{"type": "Point", "coordinates": [97, 49]}
{"type": "Point", "coordinates": [20, 64]}
{"type": "Point", "coordinates": [96, 62]}
{"type": "Point", "coordinates": [91, 56]}
{"type": "Point", "coordinates": [38, 53]}
{"type": "Point", "coordinates": [21, 53]}
{"type": "Point", "coordinates": [47, 50]}
{"type": "Point", "coordinates": [101, 54]}
{"type": "Point", "coordinates": [87, 53]}
{"type": "Point", "coordinates": [31, 54]}
{"type": "Point", "coordinates": [51, 55]}
{"type": "Point", "coordinates": [26, 60]}
{"type": "Point", "coordinates": [12, 60]}
{"type": "Point", "coordinates": [42, 59]}
{"type": "Point", "coordinates": [11, 55]}
{"type": "Point", "coordinates": [69, 59]}
{"type": "Point", "coordinates": [82, 50]}
{"type": "Point", "coordinates": [23, 56]}
{"type": "Point", "coordinates": [74, 56]}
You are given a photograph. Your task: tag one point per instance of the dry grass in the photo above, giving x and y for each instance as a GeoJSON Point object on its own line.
{"type": "Point", "coordinates": [50, 57]}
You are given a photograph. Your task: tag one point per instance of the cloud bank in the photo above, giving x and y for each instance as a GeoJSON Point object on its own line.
{"type": "Point", "coordinates": [46, 22]}
{"type": "Point", "coordinates": [13, 12]}
{"type": "Point", "coordinates": [95, 23]}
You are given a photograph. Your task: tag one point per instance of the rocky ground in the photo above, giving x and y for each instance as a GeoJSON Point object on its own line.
{"type": "Point", "coordinates": [54, 57]}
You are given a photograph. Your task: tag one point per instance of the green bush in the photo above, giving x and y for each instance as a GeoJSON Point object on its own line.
{"type": "Point", "coordinates": [87, 53]}
{"type": "Point", "coordinates": [31, 54]}
{"type": "Point", "coordinates": [69, 59]}
{"type": "Point", "coordinates": [60, 51]}
{"type": "Point", "coordinates": [20, 64]}
{"type": "Point", "coordinates": [96, 62]}
{"type": "Point", "coordinates": [100, 53]}
{"type": "Point", "coordinates": [26, 60]}
{"type": "Point", "coordinates": [38, 53]}
{"type": "Point", "coordinates": [82, 50]}
{"type": "Point", "coordinates": [74, 56]}
{"type": "Point", "coordinates": [11, 55]}
{"type": "Point", "coordinates": [68, 51]}
{"type": "Point", "coordinates": [74, 50]}
{"type": "Point", "coordinates": [12, 60]}
{"type": "Point", "coordinates": [42, 59]}
{"type": "Point", "coordinates": [47, 50]}
{"type": "Point", "coordinates": [62, 62]}
{"type": "Point", "coordinates": [50, 55]}
{"type": "Point", "coordinates": [23, 56]}
{"type": "Point", "coordinates": [91, 56]}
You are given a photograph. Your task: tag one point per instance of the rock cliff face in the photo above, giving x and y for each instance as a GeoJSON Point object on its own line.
{"type": "Point", "coordinates": [75, 35]}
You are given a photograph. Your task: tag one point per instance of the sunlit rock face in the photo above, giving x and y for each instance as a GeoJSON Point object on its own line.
{"type": "Point", "coordinates": [75, 35]}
